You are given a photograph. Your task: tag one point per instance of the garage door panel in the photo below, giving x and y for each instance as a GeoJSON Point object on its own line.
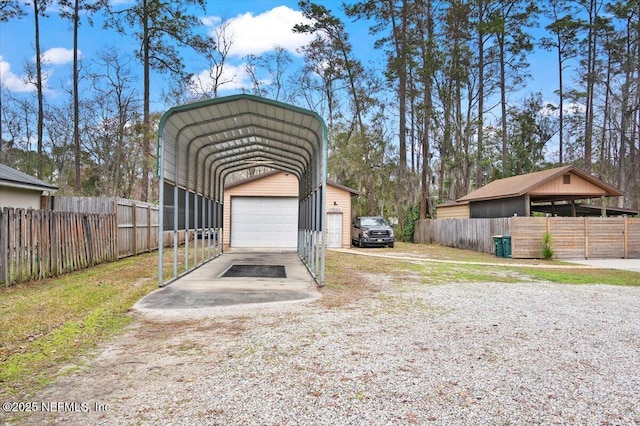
{"type": "Point", "coordinates": [264, 222]}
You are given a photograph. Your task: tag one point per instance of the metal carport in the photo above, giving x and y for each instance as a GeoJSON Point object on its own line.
{"type": "Point", "coordinates": [200, 144]}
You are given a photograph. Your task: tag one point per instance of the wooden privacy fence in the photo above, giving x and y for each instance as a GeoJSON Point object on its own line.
{"type": "Point", "coordinates": [572, 238]}
{"type": "Point", "coordinates": [137, 221]}
{"type": "Point", "coordinates": [471, 234]}
{"type": "Point", "coordinates": [577, 237]}
{"type": "Point", "coordinates": [36, 244]}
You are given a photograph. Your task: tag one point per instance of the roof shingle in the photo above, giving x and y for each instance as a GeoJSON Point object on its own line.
{"type": "Point", "coordinates": [13, 177]}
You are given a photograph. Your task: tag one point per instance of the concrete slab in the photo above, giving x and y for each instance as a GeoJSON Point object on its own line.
{"type": "Point", "coordinates": [207, 288]}
{"type": "Point", "coordinates": [623, 264]}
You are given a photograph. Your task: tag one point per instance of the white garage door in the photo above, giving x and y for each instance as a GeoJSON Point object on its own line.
{"type": "Point", "coordinates": [264, 222]}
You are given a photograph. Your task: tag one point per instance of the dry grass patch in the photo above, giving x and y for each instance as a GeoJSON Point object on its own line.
{"type": "Point", "coordinates": [45, 324]}
{"type": "Point", "coordinates": [347, 277]}
{"type": "Point", "coordinates": [439, 252]}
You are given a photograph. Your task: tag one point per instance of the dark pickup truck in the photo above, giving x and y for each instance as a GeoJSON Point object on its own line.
{"type": "Point", "coordinates": [371, 231]}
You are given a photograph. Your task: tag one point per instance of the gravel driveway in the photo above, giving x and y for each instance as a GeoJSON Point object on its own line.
{"type": "Point", "coordinates": [392, 353]}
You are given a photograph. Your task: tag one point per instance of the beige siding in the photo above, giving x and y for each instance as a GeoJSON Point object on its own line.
{"type": "Point", "coordinates": [19, 198]}
{"type": "Point", "coordinates": [286, 185]}
{"type": "Point", "coordinates": [458, 211]}
{"type": "Point", "coordinates": [276, 185]}
{"type": "Point", "coordinates": [339, 200]}
{"type": "Point", "coordinates": [578, 185]}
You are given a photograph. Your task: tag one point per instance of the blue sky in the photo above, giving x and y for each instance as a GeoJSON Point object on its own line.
{"type": "Point", "coordinates": [256, 26]}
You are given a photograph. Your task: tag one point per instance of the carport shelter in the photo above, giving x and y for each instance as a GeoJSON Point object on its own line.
{"type": "Point", "coordinates": [202, 143]}
{"type": "Point", "coordinates": [553, 191]}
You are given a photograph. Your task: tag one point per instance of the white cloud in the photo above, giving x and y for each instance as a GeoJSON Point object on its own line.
{"type": "Point", "coordinates": [569, 108]}
{"type": "Point", "coordinates": [58, 56]}
{"type": "Point", "coordinates": [257, 34]}
{"type": "Point", "coordinates": [234, 77]}
{"type": "Point", "coordinates": [12, 81]}
{"type": "Point", "coordinates": [211, 21]}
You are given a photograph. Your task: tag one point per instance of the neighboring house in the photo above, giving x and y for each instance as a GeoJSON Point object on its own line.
{"type": "Point", "coordinates": [262, 211]}
{"type": "Point", "coordinates": [552, 191]}
{"type": "Point", "coordinates": [20, 190]}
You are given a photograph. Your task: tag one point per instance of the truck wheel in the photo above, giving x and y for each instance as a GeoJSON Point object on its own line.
{"type": "Point", "coordinates": [391, 245]}
{"type": "Point", "coordinates": [360, 243]}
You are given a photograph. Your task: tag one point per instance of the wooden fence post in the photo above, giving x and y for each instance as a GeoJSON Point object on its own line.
{"type": "Point", "coordinates": [4, 265]}
{"type": "Point", "coordinates": [134, 220]}
{"type": "Point", "coordinates": [626, 237]}
{"type": "Point", "coordinates": [510, 227]}
{"type": "Point", "coordinates": [116, 233]}
{"type": "Point", "coordinates": [586, 238]}
{"type": "Point", "coordinates": [149, 229]}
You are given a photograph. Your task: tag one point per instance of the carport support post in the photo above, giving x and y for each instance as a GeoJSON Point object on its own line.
{"type": "Point", "coordinates": [175, 230]}
{"type": "Point", "coordinates": [195, 226]}
{"type": "Point", "coordinates": [323, 223]}
{"type": "Point", "coordinates": [186, 228]}
{"type": "Point", "coordinates": [160, 215]}
{"type": "Point", "coordinates": [314, 230]}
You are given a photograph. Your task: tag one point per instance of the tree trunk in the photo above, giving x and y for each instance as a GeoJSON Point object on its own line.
{"type": "Point", "coordinates": [40, 129]}
{"type": "Point", "coordinates": [76, 99]}
{"type": "Point", "coordinates": [399, 35]}
{"type": "Point", "coordinates": [146, 121]}
{"type": "Point", "coordinates": [591, 77]}
{"type": "Point", "coordinates": [480, 143]}
{"type": "Point", "coordinates": [503, 100]}
{"type": "Point", "coordinates": [561, 96]}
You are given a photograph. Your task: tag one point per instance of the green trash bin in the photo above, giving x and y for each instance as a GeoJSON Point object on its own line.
{"type": "Point", "coordinates": [506, 246]}
{"type": "Point", "coordinates": [498, 244]}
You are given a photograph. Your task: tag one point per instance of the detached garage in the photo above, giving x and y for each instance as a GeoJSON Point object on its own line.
{"type": "Point", "coordinates": [262, 212]}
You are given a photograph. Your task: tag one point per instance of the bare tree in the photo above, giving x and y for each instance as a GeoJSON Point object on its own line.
{"type": "Point", "coordinates": [72, 9]}
{"type": "Point", "coordinates": [159, 27]}
{"type": "Point", "coordinates": [8, 10]}
{"type": "Point", "coordinates": [274, 64]}
{"type": "Point", "coordinates": [39, 10]}
{"type": "Point", "coordinates": [216, 55]}
{"type": "Point", "coordinates": [114, 126]}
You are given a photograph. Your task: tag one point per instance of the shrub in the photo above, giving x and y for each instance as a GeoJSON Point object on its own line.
{"type": "Point", "coordinates": [547, 251]}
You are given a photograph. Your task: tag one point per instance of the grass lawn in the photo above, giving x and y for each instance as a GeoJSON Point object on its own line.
{"type": "Point", "coordinates": [49, 324]}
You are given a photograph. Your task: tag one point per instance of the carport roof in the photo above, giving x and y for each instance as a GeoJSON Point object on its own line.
{"type": "Point", "coordinates": [204, 141]}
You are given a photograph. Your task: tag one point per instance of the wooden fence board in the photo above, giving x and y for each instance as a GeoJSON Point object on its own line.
{"type": "Point", "coordinates": [35, 244]}
{"type": "Point", "coordinates": [571, 238]}
{"type": "Point", "coordinates": [633, 238]}
{"type": "Point", "coordinates": [38, 244]}
{"type": "Point", "coordinates": [567, 237]}
{"type": "Point", "coordinates": [606, 237]}
{"type": "Point", "coordinates": [472, 234]}
{"type": "Point", "coordinates": [526, 237]}
{"type": "Point", "coordinates": [137, 222]}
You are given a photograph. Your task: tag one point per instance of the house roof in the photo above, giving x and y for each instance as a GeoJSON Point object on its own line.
{"type": "Point", "coordinates": [273, 172]}
{"type": "Point", "coordinates": [516, 186]}
{"type": "Point", "coordinates": [13, 178]}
